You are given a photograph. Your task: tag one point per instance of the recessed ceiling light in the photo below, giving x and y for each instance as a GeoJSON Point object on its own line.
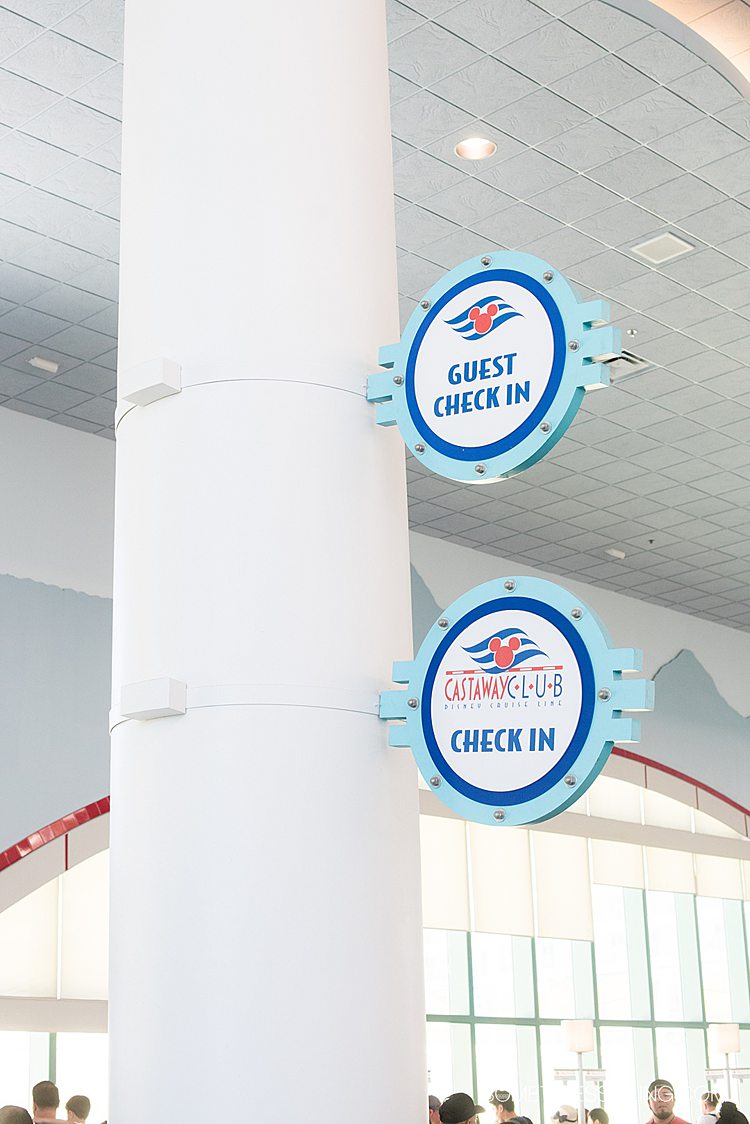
{"type": "Point", "coordinates": [613, 552]}
{"type": "Point", "coordinates": [664, 248]}
{"type": "Point", "coordinates": [44, 364]}
{"type": "Point", "coordinates": [475, 148]}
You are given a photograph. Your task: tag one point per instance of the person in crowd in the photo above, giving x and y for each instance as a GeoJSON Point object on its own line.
{"type": "Point", "coordinates": [599, 1116]}
{"type": "Point", "coordinates": [730, 1114]}
{"type": "Point", "coordinates": [566, 1114]}
{"type": "Point", "coordinates": [709, 1108]}
{"type": "Point", "coordinates": [661, 1103]}
{"type": "Point", "coordinates": [12, 1114]}
{"type": "Point", "coordinates": [433, 1109]}
{"type": "Point", "coordinates": [78, 1109]}
{"type": "Point", "coordinates": [505, 1109]}
{"type": "Point", "coordinates": [459, 1108]}
{"type": "Point", "coordinates": [46, 1098]}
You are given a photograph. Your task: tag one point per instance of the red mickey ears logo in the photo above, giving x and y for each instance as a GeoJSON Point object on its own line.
{"type": "Point", "coordinates": [504, 653]}
{"type": "Point", "coordinates": [483, 320]}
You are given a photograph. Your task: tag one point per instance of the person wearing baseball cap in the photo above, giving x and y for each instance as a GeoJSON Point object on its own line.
{"type": "Point", "coordinates": [459, 1108]}
{"type": "Point", "coordinates": [661, 1103]}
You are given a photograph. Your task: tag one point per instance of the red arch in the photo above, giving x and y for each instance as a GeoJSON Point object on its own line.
{"type": "Point", "coordinates": [101, 808]}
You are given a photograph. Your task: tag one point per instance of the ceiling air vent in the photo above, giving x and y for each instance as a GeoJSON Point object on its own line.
{"type": "Point", "coordinates": [625, 364]}
{"type": "Point", "coordinates": [657, 251]}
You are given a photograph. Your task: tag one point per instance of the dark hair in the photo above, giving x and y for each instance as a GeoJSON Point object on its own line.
{"type": "Point", "coordinates": [46, 1095]}
{"type": "Point", "coordinates": [80, 1106]}
{"type": "Point", "coordinates": [711, 1098]}
{"type": "Point", "coordinates": [730, 1114]}
{"type": "Point", "coordinates": [600, 1115]}
{"type": "Point", "coordinates": [12, 1114]}
{"type": "Point", "coordinates": [658, 1083]}
{"type": "Point", "coordinates": [502, 1097]}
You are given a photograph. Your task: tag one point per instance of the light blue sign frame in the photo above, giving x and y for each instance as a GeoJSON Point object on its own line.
{"type": "Point", "coordinates": [602, 723]}
{"type": "Point", "coordinates": [581, 343]}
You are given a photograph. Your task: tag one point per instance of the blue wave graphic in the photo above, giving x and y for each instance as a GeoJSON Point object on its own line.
{"type": "Point", "coordinates": [484, 655]}
{"type": "Point", "coordinates": [466, 326]}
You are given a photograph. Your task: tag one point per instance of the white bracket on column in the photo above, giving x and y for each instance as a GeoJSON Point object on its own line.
{"type": "Point", "coordinates": [154, 698]}
{"type": "Point", "coordinates": [150, 381]}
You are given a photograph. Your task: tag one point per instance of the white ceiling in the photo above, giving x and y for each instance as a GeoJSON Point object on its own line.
{"type": "Point", "coordinates": [608, 132]}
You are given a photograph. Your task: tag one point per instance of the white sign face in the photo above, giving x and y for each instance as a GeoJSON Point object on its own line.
{"type": "Point", "coordinates": [506, 701]}
{"type": "Point", "coordinates": [484, 363]}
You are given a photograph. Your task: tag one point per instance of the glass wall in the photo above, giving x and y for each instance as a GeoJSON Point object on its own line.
{"type": "Point", "coordinates": [77, 1063]}
{"type": "Point", "coordinates": [661, 967]}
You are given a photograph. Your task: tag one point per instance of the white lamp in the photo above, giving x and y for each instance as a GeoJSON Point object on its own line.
{"type": "Point", "coordinates": [578, 1035]}
{"type": "Point", "coordinates": [726, 1037]}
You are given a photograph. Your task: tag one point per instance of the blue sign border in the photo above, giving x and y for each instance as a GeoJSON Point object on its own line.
{"type": "Point", "coordinates": [605, 696]}
{"type": "Point", "coordinates": [580, 342]}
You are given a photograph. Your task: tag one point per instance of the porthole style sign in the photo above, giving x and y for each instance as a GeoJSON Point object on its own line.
{"type": "Point", "coordinates": [514, 702]}
{"type": "Point", "coordinates": [492, 367]}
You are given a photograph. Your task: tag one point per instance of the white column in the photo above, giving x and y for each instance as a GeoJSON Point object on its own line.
{"type": "Point", "coordinates": [265, 886]}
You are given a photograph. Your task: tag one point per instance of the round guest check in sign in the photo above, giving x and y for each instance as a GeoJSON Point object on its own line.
{"type": "Point", "coordinates": [492, 367]}
{"type": "Point", "coordinates": [514, 702]}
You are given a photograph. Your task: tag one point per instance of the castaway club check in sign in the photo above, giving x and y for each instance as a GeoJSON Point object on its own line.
{"type": "Point", "coordinates": [514, 702]}
{"type": "Point", "coordinates": [492, 367]}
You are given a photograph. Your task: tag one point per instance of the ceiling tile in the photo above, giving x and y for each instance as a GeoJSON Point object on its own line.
{"type": "Point", "coordinates": [97, 24]}
{"type": "Point", "coordinates": [603, 84]}
{"type": "Point", "coordinates": [588, 145]}
{"type": "Point", "coordinates": [72, 126]}
{"type": "Point", "coordinates": [430, 53]}
{"type": "Point", "coordinates": [661, 57]}
{"type": "Point", "coordinates": [84, 183]}
{"type": "Point", "coordinates": [57, 63]}
{"type": "Point", "coordinates": [697, 270]}
{"type": "Point", "coordinates": [54, 396]}
{"type": "Point", "coordinates": [550, 52]}
{"type": "Point", "coordinates": [424, 118]}
{"type": "Point", "coordinates": [96, 410]}
{"type": "Point", "coordinates": [515, 225]}
{"type": "Point", "coordinates": [565, 247]}
{"type": "Point", "coordinates": [457, 247]}
{"type": "Point", "coordinates": [539, 116]}
{"type": "Point", "coordinates": [416, 227]}
{"type": "Point", "coordinates": [638, 170]}
{"type": "Point", "coordinates": [527, 174]}
{"type": "Point", "coordinates": [575, 199]}
{"type": "Point", "coordinates": [707, 89]}
{"type": "Point", "coordinates": [607, 25]}
{"type": "Point", "coordinates": [698, 144]}
{"type": "Point", "coordinates": [401, 19]}
{"type": "Point", "coordinates": [400, 88]}
{"type": "Point", "coordinates": [609, 268]}
{"type": "Point", "coordinates": [468, 201]}
{"type": "Point", "coordinates": [688, 309]}
{"type": "Point", "coordinates": [416, 276]}
{"type": "Point", "coordinates": [721, 329]}
{"type": "Point", "coordinates": [653, 114]}
{"type": "Point", "coordinates": [490, 26]}
{"type": "Point", "coordinates": [679, 197]}
{"type": "Point", "coordinates": [623, 223]}
{"type": "Point", "coordinates": [89, 377]}
{"type": "Point", "coordinates": [20, 99]}
{"type": "Point", "coordinates": [484, 87]}
{"type": "Point", "coordinates": [420, 175]}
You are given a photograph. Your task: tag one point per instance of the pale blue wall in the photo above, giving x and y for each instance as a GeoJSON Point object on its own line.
{"type": "Point", "coordinates": [55, 653]}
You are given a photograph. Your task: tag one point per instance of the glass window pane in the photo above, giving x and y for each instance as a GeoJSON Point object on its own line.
{"type": "Point", "coordinates": [446, 972]}
{"type": "Point", "coordinates": [681, 1059]}
{"type": "Point", "coordinates": [675, 973]}
{"type": "Point", "coordinates": [611, 948]}
{"type": "Point", "coordinates": [448, 1059]}
{"type": "Point", "coordinates": [564, 979]}
{"type": "Point", "coordinates": [507, 1059]}
{"type": "Point", "coordinates": [714, 963]}
{"type": "Point", "coordinates": [502, 975]}
{"type": "Point", "coordinates": [555, 1056]}
{"type": "Point", "coordinates": [83, 1067]}
{"type": "Point", "coordinates": [24, 1060]}
{"type": "Point", "coordinates": [628, 1059]}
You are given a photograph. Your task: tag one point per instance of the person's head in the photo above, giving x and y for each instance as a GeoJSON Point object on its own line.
{"type": "Point", "coordinates": [566, 1114]}
{"type": "Point", "coordinates": [433, 1109]}
{"type": "Point", "coordinates": [709, 1102]}
{"type": "Point", "coordinates": [504, 1107]}
{"type": "Point", "coordinates": [661, 1099]}
{"type": "Point", "coordinates": [78, 1108]}
{"type": "Point", "coordinates": [12, 1114]}
{"type": "Point", "coordinates": [599, 1116]}
{"type": "Point", "coordinates": [459, 1108]}
{"type": "Point", "coordinates": [46, 1099]}
{"type": "Point", "coordinates": [730, 1114]}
